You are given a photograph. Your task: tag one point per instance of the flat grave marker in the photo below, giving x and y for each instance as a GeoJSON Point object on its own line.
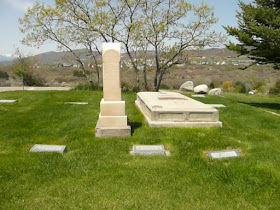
{"type": "Point", "coordinates": [77, 103]}
{"type": "Point", "coordinates": [48, 148]}
{"type": "Point", "coordinates": [223, 154]}
{"type": "Point", "coordinates": [7, 101]}
{"type": "Point", "coordinates": [148, 150]}
{"type": "Point", "coordinates": [217, 105]}
{"type": "Point", "coordinates": [198, 96]}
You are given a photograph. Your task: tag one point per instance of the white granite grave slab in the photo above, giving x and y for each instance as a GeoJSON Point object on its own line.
{"type": "Point", "coordinates": [198, 96]}
{"type": "Point", "coordinates": [224, 154]}
{"type": "Point", "coordinates": [48, 148]}
{"type": "Point", "coordinates": [148, 150]}
{"type": "Point", "coordinates": [217, 105]}
{"type": "Point", "coordinates": [7, 101]}
{"type": "Point", "coordinates": [77, 103]}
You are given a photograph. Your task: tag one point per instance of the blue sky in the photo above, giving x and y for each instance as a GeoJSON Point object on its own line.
{"type": "Point", "coordinates": [12, 10]}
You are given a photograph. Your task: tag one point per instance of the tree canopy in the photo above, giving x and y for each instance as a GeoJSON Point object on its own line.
{"type": "Point", "coordinates": [258, 31]}
{"type": "Point", "coordinates": [167, 28]}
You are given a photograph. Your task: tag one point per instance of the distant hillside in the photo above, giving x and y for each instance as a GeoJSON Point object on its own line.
{"type": "Point", "coordinates": [51, 58]}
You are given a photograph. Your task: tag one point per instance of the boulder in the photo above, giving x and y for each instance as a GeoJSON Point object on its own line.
{"type": "Point", "coordinates": [201, 89]}
{"type": "Point", "coordinates": [215, 91]}
{"type": "Point", "coordinates": [187, 86]}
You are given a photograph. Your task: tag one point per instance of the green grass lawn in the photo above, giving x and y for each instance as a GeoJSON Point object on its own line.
{"type": "Point", "coordinates": [101, 174]}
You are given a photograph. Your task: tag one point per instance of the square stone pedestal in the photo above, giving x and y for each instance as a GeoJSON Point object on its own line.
{"type": "Point", "coordinates": [112, 120]}
{"type": "Point", "coordinates": [112, 132]}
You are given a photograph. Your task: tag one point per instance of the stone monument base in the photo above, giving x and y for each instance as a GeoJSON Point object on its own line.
{"type": "Point", "coordinates": [110, 132]}
{"type": "Point", "coordinates": [169, 109]}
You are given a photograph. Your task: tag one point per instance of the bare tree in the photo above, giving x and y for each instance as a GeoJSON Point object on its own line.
{"type": "Point", "coordinates": [167, 28]}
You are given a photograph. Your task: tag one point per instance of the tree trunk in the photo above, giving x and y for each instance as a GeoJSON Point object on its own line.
{"type": "Point", "coordinates": [97, 71]}
{"type": "Point", "coordinates": [134, 67]}
{"type": "Point", "coordinates": [160, 80]}
{"type": "Point", "coordinates": [145, 78]}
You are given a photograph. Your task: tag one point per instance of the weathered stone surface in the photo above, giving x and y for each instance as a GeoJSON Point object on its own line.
{"type": "Point", "coordinates": [48, 148]}
{"type": "Point", "coordinates": [112, 121]}
{"type": "Point", "coordinates": [112, 108]}
{"type": "Point", "coordinates": [77, 103]}
{"type": "Point", "coordinates": [187, 86]}
{"type": "Point", "coordinates": [6, 89]}
{"type": "Point", "coordinates": [201, 89]}
{"type": "Point", "coordinates": [7, 101]}
{"type": "Point", "coordinates": [198, 96]}
{"type": "Point", "coordinates": [112, 132]}
{"type": "Point", "coordinates": [224, 154]}
{"type": "Point", "coordinates": [217, 105]}
{"type": "Point", "coordinates": [149, 150]}
{"type": "Point", "coordinates": [215, 91]}
{"type": "Point", "coordinates": [169, 109]}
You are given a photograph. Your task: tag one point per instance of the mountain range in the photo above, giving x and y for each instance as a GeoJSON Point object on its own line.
{"type": "Point", "coordinates": [51, 58]}
{"type": "Point", "coordinates": [5, 58]}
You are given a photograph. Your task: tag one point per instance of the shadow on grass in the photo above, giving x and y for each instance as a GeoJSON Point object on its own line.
{"type": "Point", "coordinates": [274, 106]}
{"type": "Point", "coordinates": [134, 126]}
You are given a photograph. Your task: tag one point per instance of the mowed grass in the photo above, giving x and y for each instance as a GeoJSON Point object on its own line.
{"type": "Point", "coordinates": [101, 174]}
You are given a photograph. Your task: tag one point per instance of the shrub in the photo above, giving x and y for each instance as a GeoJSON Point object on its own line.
{"type": "Point", "coordinates": [259, 86]}
{"type": "Point", "coordinates": [227, 86]}
{"type": "Point", "coordinates": [125, 87]}
{"type": "Point", "coordinates": [276, 89]}
{"type": "Point", "coordinates": [88, 87]}
{"type": "Point", "coordinates": [31, 80]}
{"type": "Point", "coordinates": [164, 87]}
{"type": "Point", "coordinates": [77, 73]}
{"type": "Point", "coordinates": [4, 75]}
{"type": "Point", "coordinates": [214, 84]}
{"type": "Point", "coordinates": [240, 87]}
{"type": "Point", "coordinates": [176, 87]}
{"type": "Point", "coordinates": [136, 89]}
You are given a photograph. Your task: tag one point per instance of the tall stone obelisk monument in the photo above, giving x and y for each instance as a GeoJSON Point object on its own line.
{"type": "Point", "coordinates": [112, 120]}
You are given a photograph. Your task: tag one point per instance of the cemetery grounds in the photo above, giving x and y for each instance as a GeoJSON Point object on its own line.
{"type": "Point", "coordinates": [102, 174]}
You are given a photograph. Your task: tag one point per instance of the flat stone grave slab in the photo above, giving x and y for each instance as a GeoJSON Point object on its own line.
{"type": "Point", "coordinates": [217, 105]}
{"type": "Point", "coordinates": [148, 150]}
{"type": "Point", "coordinates": [77, 103]}
{"type": "Point", "coordinates": [198, 96]}
{"type": "Point", "coordinates": [48, 148]}
{"type": "Point", "coordinates": [169, 109]}
{"type": "Point", "coordinates": [224, 154]}
{"type": "Point", "coordinates": [7, 101]}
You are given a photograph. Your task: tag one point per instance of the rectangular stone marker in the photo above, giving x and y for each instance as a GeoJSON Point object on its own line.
{"type": "Point", "coordinates": [217, 105]}
{"type": "Point", "coordinates": [148, 150]}
{"type": "Point", "coordinates": [48, 148]}
{"type": "Point", "coordinates": [77, 103]}
{"type": "Point", "coordinates": [223, 154]}
{"type": "Point", "coordinates": [7, 101]}
{"type": "Point", "coordinates": [198, 96]}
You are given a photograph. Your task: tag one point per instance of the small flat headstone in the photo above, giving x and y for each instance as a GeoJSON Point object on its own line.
{"type": "Point", "coordinates": [198, 96]}
{"type": "Point", "coordinates": [217, 105]}
{"type": "Point", "coordinates": [223, 154]}
{"type": "Point", "coordinates": [7, 101]}
{"type": "Point", "coordinates": [77, 103]}
{"type": "Point", "coordinates": [271, 112]}
{"type": "Point", "coordinates": [148, 150]}
{"type": "Point", "coordinates": [48, 148]}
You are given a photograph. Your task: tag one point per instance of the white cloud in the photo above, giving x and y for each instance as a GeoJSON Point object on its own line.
{"type": "Point", "coordinates": [22, 5]}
